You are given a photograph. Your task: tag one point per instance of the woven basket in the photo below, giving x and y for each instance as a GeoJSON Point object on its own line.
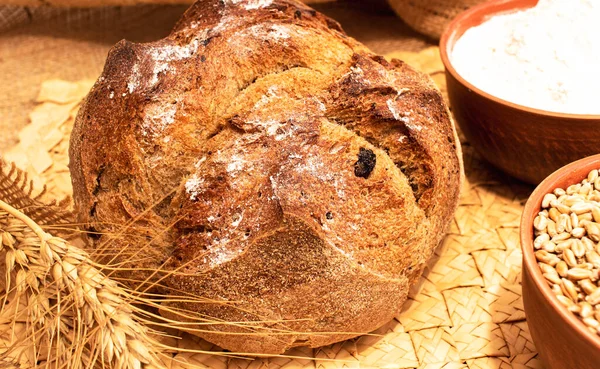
{"type": "Point", "coordinates": [430, 17]}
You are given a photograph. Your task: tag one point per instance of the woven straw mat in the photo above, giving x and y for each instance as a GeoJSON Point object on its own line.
{"type": "Point", "coordinates": [467, 310]}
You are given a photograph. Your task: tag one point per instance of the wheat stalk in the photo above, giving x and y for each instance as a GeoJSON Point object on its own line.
{"type": "Point", "coordinates": [60, 309]}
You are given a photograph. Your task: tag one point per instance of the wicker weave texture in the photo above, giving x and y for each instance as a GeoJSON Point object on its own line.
{"type": "Point", "coordinates": [430, 17]}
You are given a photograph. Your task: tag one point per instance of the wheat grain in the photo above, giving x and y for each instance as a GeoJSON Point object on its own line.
{"type": "Point", "coordinates": [540, 240]}
{"type": "Point", "coordinates": [577, 274]}
{"type": "Point", "coordinates": [567, 246]}
{"type": "Point", "coordinates": [553, 278]}
{"type": "Point", "coordinates": [587, 310]}
{"type": "Point", "coordinates": [569, 257]}
{"type": "Point", "coordinates": [549, 246]}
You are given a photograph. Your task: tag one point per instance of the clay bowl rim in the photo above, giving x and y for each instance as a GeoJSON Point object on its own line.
{"type": "Point", "coordinates": [532, 207]}
{"type": "Point", "coordinates": [485, 11]}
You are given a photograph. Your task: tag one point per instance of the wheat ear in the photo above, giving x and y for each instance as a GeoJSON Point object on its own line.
{"type": "Point", "coordinates": [75, 317]}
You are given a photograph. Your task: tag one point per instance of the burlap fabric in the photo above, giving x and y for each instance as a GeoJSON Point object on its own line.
{"type": "Point", "coordinates": [430, 17]}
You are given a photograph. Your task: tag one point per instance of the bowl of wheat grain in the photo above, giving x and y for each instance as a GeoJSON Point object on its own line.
{"type": "Point", "coordinates": [560, 239]}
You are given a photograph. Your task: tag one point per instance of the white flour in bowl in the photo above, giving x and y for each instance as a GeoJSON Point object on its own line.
{"type": "Point", "coordinates": [546, 57]}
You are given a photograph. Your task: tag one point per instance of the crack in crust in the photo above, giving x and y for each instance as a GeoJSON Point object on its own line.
{"type": "Point", "coordinates": [230, 150]}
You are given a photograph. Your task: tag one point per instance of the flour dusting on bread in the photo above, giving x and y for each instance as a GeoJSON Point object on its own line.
{"type": "Point", "coordinates": [157, 118]}
{"type": "Point", "coordinates": [252, 4]}
{"type": "Point", "coordinates": [275, 165]}
{"type": "Point", "coordinates": [162, 56]}
{"type": "Point", "coordinates": [193, 186]}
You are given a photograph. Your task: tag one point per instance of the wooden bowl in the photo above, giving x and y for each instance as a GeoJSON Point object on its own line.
{"type": "Point", "coordinates": [562, 340]}
{"type": "Point", "coordinates": [526, 143]}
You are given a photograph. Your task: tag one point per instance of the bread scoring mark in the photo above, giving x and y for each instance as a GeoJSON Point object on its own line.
{"type": "Point", "coordinates": [365, 163]}
{"type": "Point", "coordinates": [395, 113]}
{"type": "Point", "coordinates": [402, 117]}
{"type": "Point", "coordinates": [408, 156]}
{"type": "Point", "coordinates": [413, 127]}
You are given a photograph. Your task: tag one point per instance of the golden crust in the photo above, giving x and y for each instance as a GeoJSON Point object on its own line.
{"type": "Point", "coordinates": [295, 172]}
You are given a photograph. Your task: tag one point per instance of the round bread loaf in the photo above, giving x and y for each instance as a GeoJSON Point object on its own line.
{"type": "Point", "coordinates": [274, 168]}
